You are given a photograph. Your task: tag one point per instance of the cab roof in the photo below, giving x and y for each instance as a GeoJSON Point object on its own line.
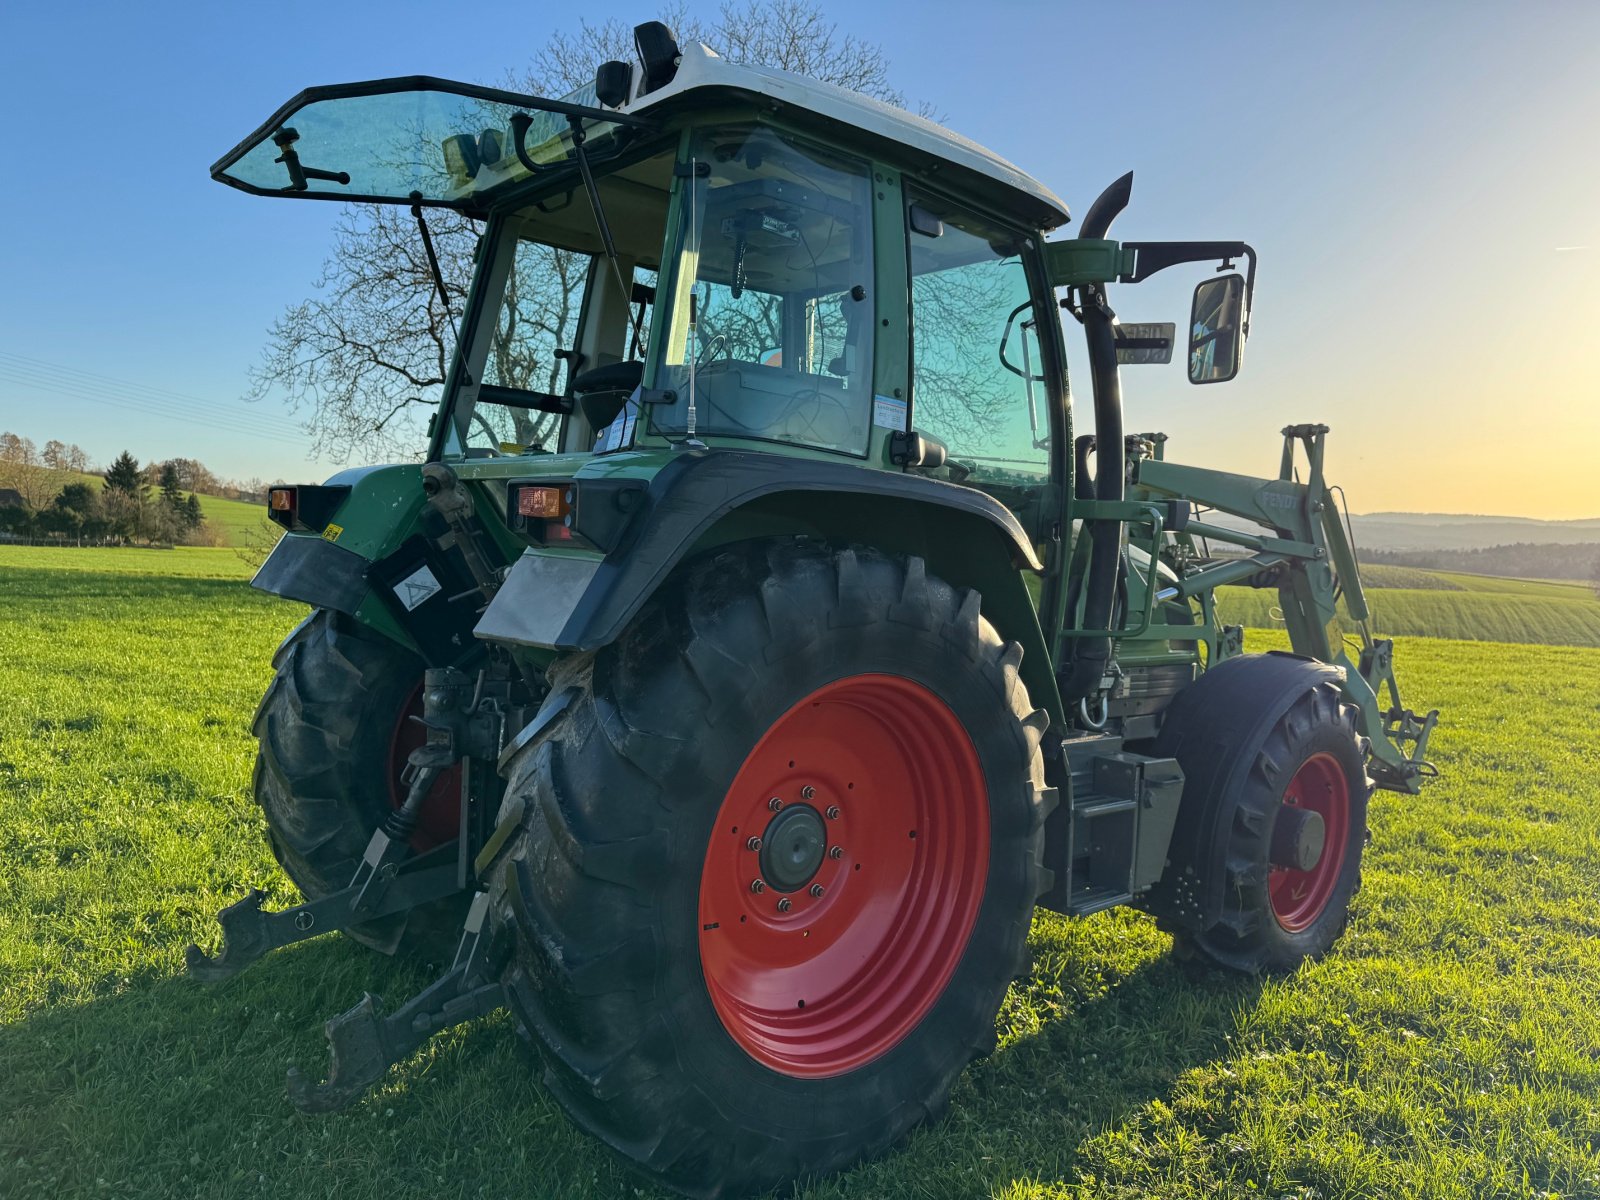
{"type": "Point", "coordinates": [419, 139]}
{"type": "Point", "coordinates": [702, 71]}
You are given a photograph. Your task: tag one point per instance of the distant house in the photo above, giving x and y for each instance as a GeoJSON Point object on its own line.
{"type": "Point", "coordinates": [10, 498]}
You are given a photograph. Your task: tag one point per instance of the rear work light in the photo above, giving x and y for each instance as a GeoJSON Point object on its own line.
{"type": "Point", "coordinates": [306, 507]}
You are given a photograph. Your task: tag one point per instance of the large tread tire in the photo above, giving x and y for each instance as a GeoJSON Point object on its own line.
{"type": "Point", "coordinates": [322, 772]}
{"type": "Point", "coordinates": [1243, 733]}
{"type": "Point", "coordinates": [597, 888]}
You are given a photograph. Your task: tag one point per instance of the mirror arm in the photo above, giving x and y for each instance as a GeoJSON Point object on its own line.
{"type": "Point", "coordinates": [1151, 257]}
{"type": "Point", "coordinates": [1158, 256]}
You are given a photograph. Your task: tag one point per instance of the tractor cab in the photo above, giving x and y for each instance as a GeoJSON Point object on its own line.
{"type": "Point", "coordinates": [692, 253]}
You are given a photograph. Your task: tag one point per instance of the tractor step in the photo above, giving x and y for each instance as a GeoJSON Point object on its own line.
{"type": "Point", "coordinates": [383, 885]}
{"type": "Point", "coordinates": [1109, 843]}
{"type": "Point", "coordinates": [364, 1043]}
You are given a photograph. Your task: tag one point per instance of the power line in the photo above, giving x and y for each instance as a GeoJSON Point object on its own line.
{"type": "Point", "coordinates": [143, 408]}
{"type": "Point", "coordinates": [100, 389]}
{"type": "Point", "coordinates": [124, 384]}
{"type": "Point", "coordinates": [22, 369]}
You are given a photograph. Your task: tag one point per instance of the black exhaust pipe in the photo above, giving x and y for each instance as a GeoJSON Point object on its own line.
{"type": "Point", "coordinates": [1091, 654]}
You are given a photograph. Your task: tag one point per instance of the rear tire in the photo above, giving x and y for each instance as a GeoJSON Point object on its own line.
{"type": "Point", "coordinates": [1254, 734]}
{"type": "Point", "coordinates": [659, 988]}
{"type": "Point", "coordinates": [325, 769]}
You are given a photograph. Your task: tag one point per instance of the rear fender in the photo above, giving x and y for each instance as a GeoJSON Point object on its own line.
{"type": "Point", "coordinates": [372, 561]}
{"type": "Point", "coordinates": [566, 601]}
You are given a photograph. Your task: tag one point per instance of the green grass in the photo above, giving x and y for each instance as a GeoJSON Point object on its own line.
{"type": "Point", "coordinates": [1449, 1047]}
{"type": "Point", "coordinates": [1553, 589]}
{"type": "Point", "coordinates": [1479, 608]}
{"type": "Point", "coordinates": [1381, 575]}
{"type": "Point", "coordinates": [234, 519]}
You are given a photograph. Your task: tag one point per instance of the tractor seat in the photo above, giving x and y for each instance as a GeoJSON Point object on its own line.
{"type": "Point", "coordinates": [602, 391]}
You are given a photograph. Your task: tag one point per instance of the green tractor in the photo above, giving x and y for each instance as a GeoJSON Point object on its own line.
{"type": "Point", "coordinates": [756, 646]}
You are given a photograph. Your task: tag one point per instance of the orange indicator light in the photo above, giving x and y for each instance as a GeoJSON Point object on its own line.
{"type": "Point", "coordinates": [548, 503]}
{"type": "Point", "coordinates": [280, 499]}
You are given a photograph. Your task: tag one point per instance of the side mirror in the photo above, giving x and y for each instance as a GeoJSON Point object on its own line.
{"type": "Point", "coordinates": [1216, 329]}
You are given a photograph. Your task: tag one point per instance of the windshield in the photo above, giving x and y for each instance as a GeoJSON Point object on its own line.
{"type": "Point", "coordinates": [768, 333]}
{"type": "Point", "coordinates": [389, 140]}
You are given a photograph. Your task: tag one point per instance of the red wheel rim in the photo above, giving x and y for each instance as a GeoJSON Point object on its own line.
{"type": "Point", "coordinates": [440, 818]}
{"type": "Point", "coordinates": [833, 981]}
{"type": "Point", "coordinates": [1298, 897]}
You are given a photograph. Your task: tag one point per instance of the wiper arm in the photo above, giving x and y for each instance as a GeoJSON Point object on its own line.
{"type": "Point", "coordinates": [284, 140]}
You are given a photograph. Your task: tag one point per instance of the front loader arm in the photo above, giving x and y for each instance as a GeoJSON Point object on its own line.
{"type": "Point", "coordinates": [1306, 553]}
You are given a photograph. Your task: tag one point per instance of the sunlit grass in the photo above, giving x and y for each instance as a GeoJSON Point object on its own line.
{"type": "Point", "coordinates": [1482, 609]}
{"type": "Point", "coordinates": [1449, 1047]}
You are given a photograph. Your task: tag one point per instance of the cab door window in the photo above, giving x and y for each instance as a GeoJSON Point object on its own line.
{"type": "Point", "coordinates": [535, 326]}
{"type": "Point", "coordinates": [978, 379]}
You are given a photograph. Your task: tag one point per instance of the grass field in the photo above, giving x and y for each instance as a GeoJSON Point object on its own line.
{"type": "Point", "coordinates": [1445, 604]}
{"type": "Point", "coordinates": [234, 520]}
{"type": "Point", "coordinates": [1449, 1047]}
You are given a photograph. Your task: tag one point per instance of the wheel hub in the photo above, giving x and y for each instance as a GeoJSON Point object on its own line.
{"type": "Point", "coordinates": [843, 875]}
{"type": "Point", "coordinates": [793, 847]}
{"type": "Point", "coordinates": [1311, 832]}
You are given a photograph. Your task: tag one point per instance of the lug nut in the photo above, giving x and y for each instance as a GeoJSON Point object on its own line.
{"type": "Point", "coordinates": [833, 812]}
{"type": "Point", "coordinates": [816, 890]}
{"type": "Point", "coordinates": [783, 905]}
{"type": "Point", "coordinates": [775, 804]}
{"type": "Point", "coordinates": [758, 886]}
{"type": "Point", "coordinates": [753, 844]}
{"type": "Point", "coordinates": [836, 852]}
{"type": "Point", "coordinates": [807, 792]}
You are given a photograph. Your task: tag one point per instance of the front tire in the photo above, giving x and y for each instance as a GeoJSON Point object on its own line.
{"type": "Point", "coordinates": [1263, 740]}
{"type": "Point", "coordinates": [723, 1037]}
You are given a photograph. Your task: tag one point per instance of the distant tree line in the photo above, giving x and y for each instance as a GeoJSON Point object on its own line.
{"type": "Point", "coordinates": [1519, 560]}
{"type": "Point", "coordinates": [157, 504]}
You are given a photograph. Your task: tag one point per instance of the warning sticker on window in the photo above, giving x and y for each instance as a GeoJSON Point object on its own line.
{"type": "Point", "coordinates": [619, 434]}
{"type": "Point", "coordinates": [416, 588]}
{"type": "Point", "coordinates": [889, 413]}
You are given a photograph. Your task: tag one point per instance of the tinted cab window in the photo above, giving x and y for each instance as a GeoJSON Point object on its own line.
{"type": "Point", "coordinates": [978, 379]}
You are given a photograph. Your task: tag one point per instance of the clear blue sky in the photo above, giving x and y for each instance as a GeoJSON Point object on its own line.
{"type": "Point", "coordinates": [1422, 181]}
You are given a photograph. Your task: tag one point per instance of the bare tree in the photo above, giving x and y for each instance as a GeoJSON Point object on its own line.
{"type": "Point", "coordinates": [364, 358]}
{"type": "Point", "coordinates": [22, 472]}
{"type": "Point", "coordinates": [16, 450]}
{"type": "Point", "coordinates": [56, 456]}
